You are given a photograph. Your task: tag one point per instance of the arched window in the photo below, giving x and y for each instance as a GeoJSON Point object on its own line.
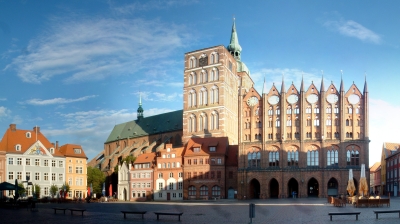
{"type": "Point", "coordinates": [293, 157]}
{"type": "Point", "coordinates": [203, 190]}
{"type": "Point", "coordinates": [273, 158]}
{"type": "Point", "coordinates": [277, 111]}
{"type": "Point", "coordinates": [216, 191]}
{"type": "Point", "coordinates": [203, 96]}
{"type": "Point", "coordinates": [350, 110]}
{"type": "Point", "coordinates": [216, 74]}
{"type": "Point", "coordinates": [270, 111]}
{"type": "Point", "coordinates": [336, 109]}
{"type": "Point", "coordinates": [203, 76]}
{"type": "Point", "coordinates": [316, 122]}
{"type": "Point", "coordinates": [316, 110]}
{"type": "Point", "coordinates": [192, 191]}
{"type": "Point", "coordinates": [277, 123]}
{"type": "Point", "coordinates": [289, 110]}
{"type": "Point", "coordinates": [353, 157]}
{"type": "Point", "coordinates": [203, 122]}
{"type": "Point", "coordinates": [214, 120]}
{"type": "Point", "coordinates": [254, 159]}
{"type": "Point", "coordinates": [214, 95]}
{"type": "Point", "coordinates": [296, 109]}
{"type": "Point", "coordinates": [329, 110]}
{"type": "Point", "coordinates": [289, 122]}
{"type": "Point", "coordinates": [312, 157]}
{"type": "Point", "coordinates": [328, 121]}
{"type": "Point", "coordinates": [308, 110]}
{"type": "Point", "coordinates": [192, 62]}
{"type": "Point", "coordinates": [332, 157]}
{"type": "Point", "coordinates": [192, 123]}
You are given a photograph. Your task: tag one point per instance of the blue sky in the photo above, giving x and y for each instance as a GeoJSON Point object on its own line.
{"type": "Point", "coordinates": [76, 68]}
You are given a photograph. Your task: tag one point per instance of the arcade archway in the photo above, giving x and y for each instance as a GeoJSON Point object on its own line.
{"type": "Point", "coordinates": [293, 186]}
{"type": "Point", "coordinates": [254, 189]}
{"type": "Point", "coordinates": [333, 187]}
{"type": "Point", "coordinates": [312, 188]}
{"type": "Point", "coordinates": [274, 188]}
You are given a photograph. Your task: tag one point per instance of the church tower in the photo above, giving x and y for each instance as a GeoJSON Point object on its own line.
{"type": "Point", "coordinates": [140, 109]}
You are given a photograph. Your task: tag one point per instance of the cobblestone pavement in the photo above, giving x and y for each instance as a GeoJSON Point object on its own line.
{"type": "Point", "coordinates": [307, 210]}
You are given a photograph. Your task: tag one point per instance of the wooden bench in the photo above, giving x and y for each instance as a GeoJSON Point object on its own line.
{"type": "Point", "coordinates": [77, 210]}
{"type": "Point", "coordinates": [169, 213]}
{"type": "Point", "coordinates": [61, 209]}
{"type": "Point", "coordinates": [386, 211]}
{"type": "Point", "coordinates": [134, 212]}
{"type": "Point", "coordinates": [344, 213]}
{"type": "Point", "coordinates": [383, 201]}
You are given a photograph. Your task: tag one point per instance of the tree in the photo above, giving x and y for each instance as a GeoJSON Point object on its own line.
{"type": "Point", "coordinates": [66, 187]}
{"type": "Point", "coordinates": [21, 191]}
{"type": "Point", "coordinates": [129, 160]}
{"type": "Point", "coordinates": [53, 190]}
{"type": "Point", "coordinates": [37, 190]}
{"type": "Point", "coordinates": [96, 178]}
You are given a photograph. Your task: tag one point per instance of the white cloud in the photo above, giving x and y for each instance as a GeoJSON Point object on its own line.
{"type": "Point", "coordinates": [353, 29]}
{"type": "Point", "coordinates": [150, 5]}
{"type": "Point", "coordinates": [86, 49]}
{"type": "Point", "coordinates": [4, 112]}
{"type": "Point", "coordinates": [57, 100]}
{"type": "Point", "coordinates": [3, 99]}
{"type": "Point", "coordinates": [160, 97]}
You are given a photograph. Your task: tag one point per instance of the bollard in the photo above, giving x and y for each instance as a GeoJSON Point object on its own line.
{"type": "Point", "coordinates": [252, 211]}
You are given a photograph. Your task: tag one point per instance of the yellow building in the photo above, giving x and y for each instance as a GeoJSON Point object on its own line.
{"type": "Point", "coordinates": [76, 170]}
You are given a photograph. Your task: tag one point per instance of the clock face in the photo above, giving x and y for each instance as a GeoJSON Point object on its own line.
{"type": "Point", "coordinates": [273, 100]}
{"type": "Point", "coordinates": [353, 99]}
{"type": "Point", "coordinates": [332, 98]}
{"type": "Point", "coordinates": [252, 101]}
{"type": "Point", "coordinates": [293, 99]}
{"type": "Point", "coordinates": [313, 98]}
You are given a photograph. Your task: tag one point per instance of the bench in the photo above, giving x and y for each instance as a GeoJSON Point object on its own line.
{"type": "Point", "coordinates": [133, 212]}
{"type": "Point", "coordinates": [169, 213]}
{"type": "Point", "coordinates": [337, 202]}
{"type": "Point", "coordinates": [77, 210]}
{"type": "Point", "coordinates": [61, 209]}
{"type": "Point", "coordinates": [344, 213]}
{"type": "Point", "coordinates": [386, 211]}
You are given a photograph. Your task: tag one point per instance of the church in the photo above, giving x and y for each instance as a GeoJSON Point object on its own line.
{"type": "Point", "coordinates": [296, 140]}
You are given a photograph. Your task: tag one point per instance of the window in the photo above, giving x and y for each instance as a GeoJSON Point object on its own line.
{"type": "Point", "coordinates": [353, 157]}
{"type": "Point", "coordinates": [18, 147]}
{"type": "Point", "coordinates": [37, 176]}
{"type": "Point", "coordinates": [312, 157]}
{"type": "Point", "coordinates": [203, 190]}
{"type": "Point", "coordinates": [332, 157]}
{"type": "Point", "coordinates": [213, 161]}
{"type": "Point", "coordinates": [60, 163]}
{"type": "Point", "coordinates": [53, 163]}
{"type": "Point", "coordinates": [192, 191]}
{"type": "Point", "coordinates": [79, 169]}
{"type": "Point", "coordinates": [10, 175]}
{"type": "Point", "coordinates": [28, 162]}
{"type": "Point", "coordinates": [77, 151]}
{"type": "Point", "coordinates": [196, 149]}
{"type": "Point", "coordinates": [70, 181]}
{"type": "Point", "coordinates": [216, 191]}
{"type": "Point", "coordinates": [61, 177]}
{"type": "Point", "coordinates": [212, 148]}
{"type": "Point", "coordinates": [28, 175]}
{"type": "Point", "coordinates": [46, 162]}
{"type": "Point", "coordinates": [171, 175]}
{"type": "Point", "coordinates": [37, 162]}
{"type": "Point", "coordinates": [19, 161]}
{"type": "Point", "coordinates": [171, 186]}
{"type": "Point", "coordinates": [28, 135]}
{"type": "Point", "coordinates": [219, 161]}
{"type": "Point", "coordinates": [133, 194]}
{"type": "Point", "coordinates": [180, 185]}
{"type": "Point", "coordinates": [46, 176]}
{"type": "Point", "coordinates": [274, 158]}
{"type": "Point", "coordinates": [10, 161]}
{"type": "Point", "coordinates": [293, 158]}
{"type": "Point", "coordinates": [180, 174]}
{"type": "Point", "coordinates": [160, 175]}
{"type": "Point", "coordinates": [53, 176]}
{"type": "Point", "coordinates": [254, 159]}
{"type": "Point", "coordinates": [148, 185]}
{"type": "Point", "coordinates": [19, 175]}
{"type": "Point", "coordinates": [214, 120]}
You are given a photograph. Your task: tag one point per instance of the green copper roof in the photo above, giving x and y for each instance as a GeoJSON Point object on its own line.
{"type": "Point", "coordinates": [167, 122]}
{"type": "Point", "coordinates": [234, 46]}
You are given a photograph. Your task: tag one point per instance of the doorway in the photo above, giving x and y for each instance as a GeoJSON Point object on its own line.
{"type": "Point", "coordinates": [293, 186]}
{"type": "Point", "coordinates": [333, 187]}
{"type": "Point", "coordinates": [313, 188]}
{"type": "Point", "coordinates": [254, 189]}
{"type": "Point", "coordinates": [231, 193]}
{"type": "Point", "coordinates": [168, 196]}
{"type": "Point", "coordinates": [274, 188]}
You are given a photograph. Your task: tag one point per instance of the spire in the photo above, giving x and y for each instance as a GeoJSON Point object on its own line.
{"type": "Point", "coordinates": [302, 84]}
{"type": "Point", "coordinates": [234, 47]}
{"type": "Point", "coordinates": [140, 109]}
{"type": "Point", "coordinates": [283, 84]}
{"type": "Point", "coordinates": [341, 82]}
{"type": "Point", "coordinates": [322, 83]}
{"type": "Point", "coordinates": [264, 86]}
{"type": "Point", "coordinates": [365, 84]}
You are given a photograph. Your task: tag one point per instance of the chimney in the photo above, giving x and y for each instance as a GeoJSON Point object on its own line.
{"type": "Point", "coordinates": [130, 166]}
{"type": "Point", "coordinates": [36, 129]}
{"type": "Point", "coordinates": [168, 145]}
{"type": "Point", "coordinates": [13, 127]}
{"type": "Point", "coordinates": [57, 145]}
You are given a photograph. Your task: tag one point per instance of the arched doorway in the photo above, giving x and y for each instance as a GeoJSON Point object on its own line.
{"type": "Point", "coordinates": [231, 193]}
{"type": "Point", "coordinates": [313, 188]}
{"type": "Point", "coordinates": [124, 194]}
{"type": "Point", "coordinates": [254, 189]}
{"type": "Point", "coordinates": [274, 188]}
{"type": "Point", "coordinates": [293, 186]}
{"type": "Point", "coordinates": [333, 187]}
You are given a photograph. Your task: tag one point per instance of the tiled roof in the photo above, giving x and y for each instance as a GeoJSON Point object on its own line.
{"type": "Point", "coordinates": [166, 122]}
{"type": "Point", "coordinates": [68, 150]}
{"type": "Point", "coordinates": [13, 137]}
{"type": "Point", "coordinates": [375, 167]}
{"type": "Point", "coordinates": [145, 158]}
{"type": "Point", "coordinates": [388, 147]}
{"type": "Point", "coordinates": [204, 144]}
{"type": "Point", "coordinates": [232, 159]}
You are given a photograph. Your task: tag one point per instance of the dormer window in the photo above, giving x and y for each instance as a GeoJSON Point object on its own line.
{"type": "Point", "coordinates": [173, 155]}
{"type": "Point", "coordinates": [168, 149]}
{"type": "Point", "coordinates": [28, 135]}
{"type": "Point", "coordinates": [212, 148]}
{"type": "Point", "coordinates": [52, 150]}
{"type": "Point", "coordinates": [196, 149]}
{"type": "Point", "coordinates": [77, 151]}
{"type": "Point", "coordinates": [18, 147]}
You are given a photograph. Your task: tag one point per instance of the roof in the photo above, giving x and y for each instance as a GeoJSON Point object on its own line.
{"type": "Point", "coordinates": [204, 144]}
{"type": "Point", "coordinates": [69, 151]}
{"type": "Point", "coordinates": [157, 124]}
{"type": "Point", "coordinates": [388, 147]}
{"type": "Point", "coordinates": [375, 167]}
{"type": "Point", "coordinates": [232, 159]}
{"type": "Point", "coordinates": [13, 137]}
{"type": "Point", "coordinates": [145, 158]}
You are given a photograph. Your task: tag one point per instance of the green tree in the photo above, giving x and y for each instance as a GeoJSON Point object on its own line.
{"type": "Point", "coordinates": [96, 178]}
{"type": "Point", "coordinates": [53, 190]}
{"type": "Point", "coordinates": [21, 191]}
{"type": "Point", "coordinates": [66, 187]}
{"type": "Point", "coordinates": [129, 160]}
{"type": "Point", "coordinates": [37, 190]}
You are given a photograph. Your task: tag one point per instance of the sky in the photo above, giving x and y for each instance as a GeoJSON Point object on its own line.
{"type": "Point", "coordinates": [76, 68]}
